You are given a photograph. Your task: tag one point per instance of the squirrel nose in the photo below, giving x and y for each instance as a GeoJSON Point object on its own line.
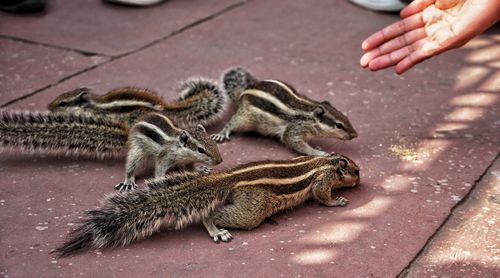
{"type": "Point", "coordinates": [353, 135]}
{"type": "Point", "coordinates": [217, 160]}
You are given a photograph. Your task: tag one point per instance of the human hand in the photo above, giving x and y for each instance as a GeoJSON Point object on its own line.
{"type": "Point", "coordinates": [428, 28]}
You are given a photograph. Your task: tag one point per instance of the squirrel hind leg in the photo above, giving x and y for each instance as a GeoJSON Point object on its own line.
{"type": "Point", "coordinates": [247, 209]}
{"type": "Point", "coordinates": [216, 233]}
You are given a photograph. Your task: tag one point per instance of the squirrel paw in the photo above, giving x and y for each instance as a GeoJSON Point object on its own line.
{"type": "Point", "coordinates": [320, 151]}
{"type": "Point", "coordinates": [219, 137]}
{"type": "Point", "coordinates": [204, 170]}
{"type": "Point", "coordinates": [339, 201]}
{"type": "Point", "coordinates": [223, 235]}
{"type": "Point", "coordinates": [316, 151]}
{"type": "Point", "coordinates": [122, 186]}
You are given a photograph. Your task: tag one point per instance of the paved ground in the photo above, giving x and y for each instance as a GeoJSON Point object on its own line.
{"type": "Point", "coordinates": [429, 200]}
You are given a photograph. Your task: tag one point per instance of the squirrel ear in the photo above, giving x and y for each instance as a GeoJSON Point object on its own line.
{"type": "Point", "coordinates": [84, 95]}
{"type": "Point", "coordinates": [183, 138]}
{"type": "Point", "coordinates": [201, 128]}
{"type": "Point", "coordinates": [343, 162]}
{"type": "Point", "coordinates": [318, 112]}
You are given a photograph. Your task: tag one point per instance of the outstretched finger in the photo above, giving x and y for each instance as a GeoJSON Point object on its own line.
{"type": "Point", "coordinates": [422, 51]}
{"type": "Point", "coordinates": [394, 30]}
{"type": "Point", "coordinates": [390, 59]}
{"type": "Point", "coordinates": [415, 7]}
{"type": "Point", "coordinates": [393, 45]}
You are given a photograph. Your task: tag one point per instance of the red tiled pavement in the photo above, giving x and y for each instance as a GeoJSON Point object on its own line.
{"type": "Point", "coordinates": [96, 27]}
{"type": "Point", "coordinates": [27, 68]}
{"type": "Point", "coordinates": [425, 138]}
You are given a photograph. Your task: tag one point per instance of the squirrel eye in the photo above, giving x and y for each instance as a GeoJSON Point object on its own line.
{"type": "Point", "coordinates": [62, 103]}
{"type": "Point", "coordinates": [201, 150]}
{"type": "Point", "coordinates": [339, 126]}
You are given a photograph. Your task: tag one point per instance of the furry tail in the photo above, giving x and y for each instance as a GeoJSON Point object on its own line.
{"type": "Point", "coordinates": [135, 215]}
{"type": "Point", "coordinates": [235, 80]}
{"type": "Point", "coordinates": [61, 133]}
{"type": "Point", "coordinates": [200, 102]}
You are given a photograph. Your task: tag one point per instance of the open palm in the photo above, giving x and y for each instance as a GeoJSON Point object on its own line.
{"type": "Point", "coordinates": [427, 28]}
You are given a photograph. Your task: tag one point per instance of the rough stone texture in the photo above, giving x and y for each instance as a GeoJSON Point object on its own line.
{"type": "Point", "coordinates": [425, 138]}
{"type": "Point", "coordinates": [467, 246]}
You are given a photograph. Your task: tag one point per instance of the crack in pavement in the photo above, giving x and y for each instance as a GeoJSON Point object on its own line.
{"type": "Point", "coordinates": [114, 58]}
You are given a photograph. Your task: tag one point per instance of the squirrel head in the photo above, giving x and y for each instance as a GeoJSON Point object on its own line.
{"type": "Point", "coordinates": [329, 122]}
{"type": "Point", "coordinates": [197, 143]}
{"type": "Point", "coordinates": [75, 99]}
{"type": "Point", "coordinates": [347, 172]}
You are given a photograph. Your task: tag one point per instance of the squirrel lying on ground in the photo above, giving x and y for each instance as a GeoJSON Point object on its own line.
{"type": "Point", "coordinates": [200, 102]}
{"type": "Point", "coordinates": [239, 198]}
{"type": "Point", "coordinates": [82, 134]}
{"type": "Point", "coordinates": [273, 108]}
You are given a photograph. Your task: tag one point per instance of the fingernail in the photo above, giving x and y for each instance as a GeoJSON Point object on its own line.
{"type": "Point", "coordinates": [364, 45]}
{"type": "Point", "coordinates": [363, 61]}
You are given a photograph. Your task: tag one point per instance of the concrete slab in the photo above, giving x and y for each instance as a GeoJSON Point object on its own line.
{"type": "Point", "coordinates": [425, 138]}
{"type": "Point", "coordinates": [27, 68]}
{"type": "Point", "coordinates": [467, 246]}
{"type": "Point", "coordinates": [97, 27]}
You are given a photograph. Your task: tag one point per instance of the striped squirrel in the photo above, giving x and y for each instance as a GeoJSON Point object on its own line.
{"type": "Point", "coordinates": [83, 134]}
{"type": "Point", "coordinates": [239, 198]}
{"type": "Point", "coordinates": [272, 107]}
{"type": "Point", "coordinates": [200, 102]}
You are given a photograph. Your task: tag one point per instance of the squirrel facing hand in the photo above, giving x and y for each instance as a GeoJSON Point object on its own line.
{"type": "Point", "coordinates": [239, 198]}
{"type": "Point", "coordinates": [200, 102]}
{"type": "Point", "coordinates": [273, 108]}
{"type": "Point", "coordinates": [82, 134]}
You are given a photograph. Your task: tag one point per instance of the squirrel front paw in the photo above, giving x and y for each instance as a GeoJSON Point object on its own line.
{"type": "Point", "coordinates": [339, 201]}
{"type": "Point", "coordinates": [123, 186]}
{"type": "Point", "coordinates": [317, 151]}
{"type": "Point", "coordinates": [220, 137]}
{"type": "Point", "coordinates": [223, 235]}
{"type": "Point", "coordinates": [320, 152]}
{"type": "Point", "coordinates": [204, 170]}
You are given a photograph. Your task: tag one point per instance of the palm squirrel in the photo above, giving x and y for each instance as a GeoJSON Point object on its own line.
{"type": "Point", "coordinates": [200, 102]}
{"type": "Point", "coordinates": [82, 134]}
{"type": "Point", "coordinates": [239, 198]}
{"type": "Point", "coordinates": [272, 107]}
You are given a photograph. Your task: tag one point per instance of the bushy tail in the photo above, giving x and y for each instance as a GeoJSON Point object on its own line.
{"type": "Point", "coordinates": [235, 80]}
{"type": "Point", "coordinates": [69, 134]}
{"type": "Point", "coordinates": [200, 102]}
{"type": "Point", "coordinates": [135, 215]}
